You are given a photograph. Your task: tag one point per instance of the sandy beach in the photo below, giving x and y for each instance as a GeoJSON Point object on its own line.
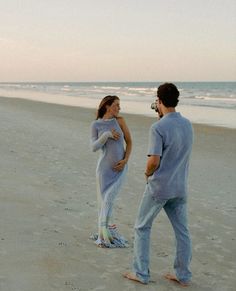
{"type": "Point", "coordinates": [48, 206]}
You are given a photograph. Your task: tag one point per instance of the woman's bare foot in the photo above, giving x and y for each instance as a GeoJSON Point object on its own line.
{"type": "Point", "coordinates": [132, 277]}
{"type": "Point", "coordinates": [172, 277]}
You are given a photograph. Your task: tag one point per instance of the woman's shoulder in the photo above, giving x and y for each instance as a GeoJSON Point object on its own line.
{"type": "Point", "coordinates": [120, 119]}
{"type": "Point", "coordinates": [95, 123]}
{"type": "Point", "coordinates": [101, 123]}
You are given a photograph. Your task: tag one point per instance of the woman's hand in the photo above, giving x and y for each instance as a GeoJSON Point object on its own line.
{"type": "Point", "coordinates": [115, 134]}
{"type": "Point", "coordinates": [119, 166]}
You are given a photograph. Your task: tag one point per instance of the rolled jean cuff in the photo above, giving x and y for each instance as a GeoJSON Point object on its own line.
{"type": "Point", "coordinates": [144, 281]}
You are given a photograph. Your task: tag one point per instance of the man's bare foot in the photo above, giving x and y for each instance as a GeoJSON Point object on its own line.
{"type": "Point", "coordinates": [132, 277]}
{"type": "Point", "coordinates": [172, 277]}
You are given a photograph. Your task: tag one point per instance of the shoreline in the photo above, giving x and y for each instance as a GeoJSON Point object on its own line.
{"type": "Point", "coordinates": [48, 205]}
{"type": "Point", "coordinates": [196, 114]}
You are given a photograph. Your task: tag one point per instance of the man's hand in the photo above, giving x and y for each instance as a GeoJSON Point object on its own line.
{"type": "Point", "coordinates": [153, 163]}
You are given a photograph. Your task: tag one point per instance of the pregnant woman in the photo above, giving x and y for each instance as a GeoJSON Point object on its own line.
{"type": "Point", "coordinates": [110, 134]}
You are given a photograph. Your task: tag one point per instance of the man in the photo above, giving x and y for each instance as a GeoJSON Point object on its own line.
{"type": "Point", "coordinates": [170, 145]}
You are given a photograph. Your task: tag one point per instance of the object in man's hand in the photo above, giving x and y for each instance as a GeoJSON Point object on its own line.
{"type": "Point", "coordinates": [155, 107]}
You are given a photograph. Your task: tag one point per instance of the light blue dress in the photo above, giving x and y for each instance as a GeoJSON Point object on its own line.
{"type": "Point", "coordinates": [108, 181]}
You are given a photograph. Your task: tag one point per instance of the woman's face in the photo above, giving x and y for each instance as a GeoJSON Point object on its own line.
{"type": "Point", "coordinates": [114, 108]}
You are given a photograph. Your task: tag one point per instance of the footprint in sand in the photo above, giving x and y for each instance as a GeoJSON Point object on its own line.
{"type": "Point", "coordinates": [162, 254]}
{"type": "Point", "coordinates": [71, 286]}
{"type": "Point", "coordinates": [90, 204]}
{"type": "Point", "coordinates": [62, 244]}
{"type": "Point", "coordinates": [62, 201]}
{"type": "Point", "coordinates": [68, 209]}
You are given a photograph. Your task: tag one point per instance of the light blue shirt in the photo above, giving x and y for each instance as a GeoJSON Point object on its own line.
{"type": "Point", "coordinates": [170, 138]}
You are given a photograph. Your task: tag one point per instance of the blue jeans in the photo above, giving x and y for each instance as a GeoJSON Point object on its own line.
{"type": "Point", "coordinates": [176, 210]}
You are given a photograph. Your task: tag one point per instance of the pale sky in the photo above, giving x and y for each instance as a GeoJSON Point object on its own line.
{"type": "Point", "coordinates": [117, 40]}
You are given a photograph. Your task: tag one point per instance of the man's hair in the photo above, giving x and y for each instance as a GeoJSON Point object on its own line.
{"type": "Point", "coordinates": [168, 94]}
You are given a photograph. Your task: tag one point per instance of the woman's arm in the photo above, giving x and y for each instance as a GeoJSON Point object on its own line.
{"type": "Point", "coordinates": [127, 137]}
{"type": "Point", "coordinates": [96, 142]}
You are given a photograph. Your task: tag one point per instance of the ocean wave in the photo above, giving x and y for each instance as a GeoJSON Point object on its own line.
{"type": "Point", "coordinates": [108, 88]}
{"type": "Point", "coordinates": [202, 94]}
{"type": "Point", "coordinates": [141, 89]}
{"type": "Point", "coordinates": [67, 89]}
{"type": "Point", "coordinates": [216, 98]}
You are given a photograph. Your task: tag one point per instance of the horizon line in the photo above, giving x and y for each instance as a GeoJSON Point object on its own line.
{"type": "Point", "coordinates": [11, 82]}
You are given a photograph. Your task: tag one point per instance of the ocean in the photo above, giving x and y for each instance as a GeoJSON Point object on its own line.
{"type": "Point", "coordinates": [212, 103]}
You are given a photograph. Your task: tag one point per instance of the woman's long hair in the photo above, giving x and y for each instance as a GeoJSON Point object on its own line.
{"type": "Point", "coordinates": [108, 100]}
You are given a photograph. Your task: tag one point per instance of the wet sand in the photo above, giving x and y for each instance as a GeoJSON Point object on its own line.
{"type": "Point", "coordinates": [48, 206]}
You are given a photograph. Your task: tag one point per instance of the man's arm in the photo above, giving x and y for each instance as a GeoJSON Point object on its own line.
{"type": "Point", "coordinates": [153, 163]}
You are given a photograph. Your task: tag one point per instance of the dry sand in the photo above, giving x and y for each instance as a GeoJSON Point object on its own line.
{"type": "Point", "coordinates": [48, 205]}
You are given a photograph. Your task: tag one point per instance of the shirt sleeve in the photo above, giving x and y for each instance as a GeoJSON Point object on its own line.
{"type": "Point", "coordinates": [96, 142]}
{"type": "Point", "coordinates": [155, 144]}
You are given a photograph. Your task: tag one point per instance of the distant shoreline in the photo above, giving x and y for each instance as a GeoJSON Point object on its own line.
{"type": "Point", "coordinates": [197, 114]}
